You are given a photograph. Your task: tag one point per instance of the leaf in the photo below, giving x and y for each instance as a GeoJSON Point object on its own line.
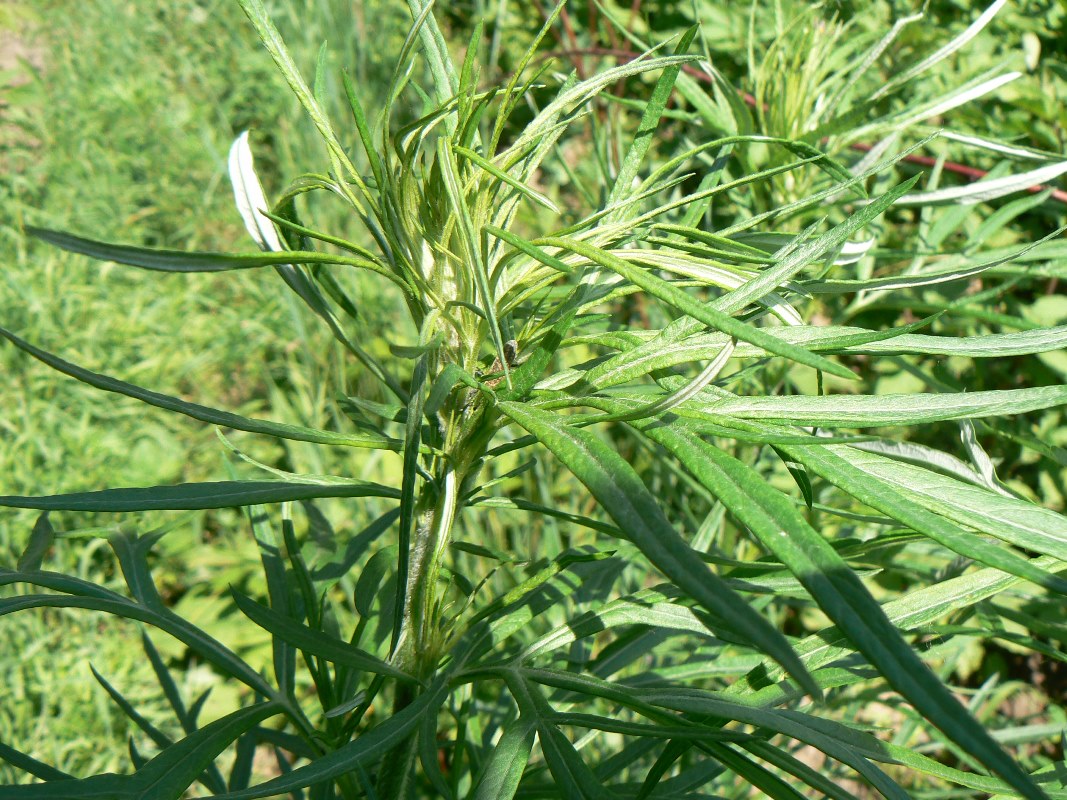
{"type": "Point", "coordinates": [168, 775]}
{"type": "Point", "coordinates": [781, 529]}
{"type": "Point", "coordinates": [360, 752]}
{"type": "Point", "coordinates": [1024, 524]}
{"type": "Point", "coordinates": [203, 413]}
{"type": "Point", "coordinates": [844, 468]}
{"type": "Point", "coordinates": [943, 52]}
{"type": "Point", "coordinates": [645, 608]}
{"type": "Point", "coordinates": [272, 41]}
{"type": "Point", "coordinates": [40, 542]}
{"type": "Point", "coordinates": [502, 773]}
{"type": "Point", "coordinates": [504, 177]}
{"type": "Point", "coordinates": [792, 263]}
{"type": "Point", "coordinates": [472, 245]}
{"type": "Point", "coordinates": [986, 190]}
{"type": "Point", "coordinates": [312, 641]}
{"type": "Point", "coordinates": [908, 612]}
{"type": "Point", "coordinates": [571, 775]}
{"type": "Point", "coordinates": [852, 747]}
{"type": "Point", "coordinates": [165, 777]}
{"type": "Point", "coordinates": [859, 411]}
{"type": "Point", "coordinates": [643, 136]}
{"type": "Point", "coordinates": [621, 493]}
{"type": "Point", "coordinates": [198, 641]}
{"type": "Point", "coordinates": [583, 91]}
{"type": "Point", "coordinates": [512, 612]}
{"type": "Point", "coordinates": [188, 262]}
{"type": "Point", "coordinates": [30, 765]}
{"type": "Point", "coordinates": [186, 496]}
{"type": "Point", "coordinates": [706, 314]}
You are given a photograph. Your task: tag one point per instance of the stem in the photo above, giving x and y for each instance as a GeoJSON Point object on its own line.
{"type": "Point", "coordinates": [431, 538]}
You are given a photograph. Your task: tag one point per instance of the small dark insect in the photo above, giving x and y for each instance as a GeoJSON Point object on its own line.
{"type": "Point", "coordinates": [511, 354]}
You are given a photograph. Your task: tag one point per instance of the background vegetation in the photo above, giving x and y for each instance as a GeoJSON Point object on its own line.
{"type": "Point", "coordinates": [117, 124]}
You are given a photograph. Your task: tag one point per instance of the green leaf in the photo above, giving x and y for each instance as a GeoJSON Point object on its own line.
{"type": "Point", "coordinates": [643, 136]}
{"type": "Point", "coordinates": [780, 527]}
{"type": "Point", "coordinates": [360, 752]}
{"type": "Point", "coordinates": [844, 468]}
{"type": "Point", "coordinates": [628, 501]}
{"type": "Point", "coordinates": [855, 748]}
{"type": "Point", "coordinates": [527, 374]}
{"type": "Point", "coordinates": [861, 411]}
{"type": "Point", "coordinates": [272, 41]}
{"type": "Point", "coordinates": [169, 775]}
{"type": "Point", "coordinates": [93, 599]}
{"type": "Point", "coordinates": [571, 775]}
{"type": "Point", "coordinates": [505, 178]}
{"type": "Point", "coordinates": [161, 740]}
{"type": "Point", "coordinates": [202, 413]}
{"type": "Point", "coordinates": [502, 773]}
{"type": "Point", "coordinates": [645, 608]}
{"type": "Point", "coordinates": [1024, 524]}
{"type": "Point", "coordinates": [41, 539]}
{"type": "Point", "coordinates": [708, 315]}
{"type": "Point", "coordinates": [166, 777]}
{"type": "Point", "coordinates": [186, 496]}
{"type": "Point", "coordinates": [473, 256]}
{"type": "Point", "coordinates": [770, 279]}
{"type": "Point", "coordinates": [312, 641]}
{"type": "Point", "coordinates": [181, 261]}
{"type": "Point", "coordinates": [652, 354]}
{"type": "Point", "coordinates": [31, 766]}
{"type": "Point", "coordinates": [911, 611]}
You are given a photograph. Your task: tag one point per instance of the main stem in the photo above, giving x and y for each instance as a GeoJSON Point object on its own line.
{"type": "Point", "coordinates": [432, 534]}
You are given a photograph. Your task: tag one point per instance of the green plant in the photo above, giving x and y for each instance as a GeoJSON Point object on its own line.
{"type": "Point", "coordinates": [484, 647]}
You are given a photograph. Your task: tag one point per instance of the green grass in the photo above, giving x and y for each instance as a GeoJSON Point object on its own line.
{"type": "Point", "coordinates": [123, 134]}
{"type": "Point", "coordinates": [123, 137]}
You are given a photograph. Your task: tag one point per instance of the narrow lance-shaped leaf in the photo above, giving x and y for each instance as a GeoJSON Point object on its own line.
{"type": "Point", "coordinates": [983, 191]}
{"type": "Point", "coordinates": [38, 769]}
{"type": "Point", "coordinates": [203, 413]}
{"type": "Point", "coordinates": [770, 279]}
{"type": "Point", "coordinates": [908, 612]}
{"type": "Point", "coordinates": [272, 41]}
{"type": "Point", "coordinates": [359, 752]}
{"type": "Point", "coordinates": [190, 496]}
{"type": "Point", "coordinates": [708, 315]}
{"type": "Point", "coordinates": [471, 239]}
{"type": "Point", "coordinates": [570, 773]}
{"type": "Point", "coordinates": [643, 136]}
{"type": "Point", "coordinates": [312, 641]}
{"type": "Point", "coordinates": [172, 772]}
{"type": "Point", "coordinates": [1010, 519]}
{"type": "Point", "coordinates": [502, 772]}
{"type": "Point", "coordinates": [860, 411]}
{"type": "Point", "coordinates": [629, 503]}
{"type": "Point", "coordinates": [250, 199]}
{"type": "Point", "coordinates": [186, 633]}
{"type": "Point", "coordinates": [504, 177]}
{"type": "Point", "coordinates": [781, 528]}
{"type": "Point", "coordinates": [41, 539]}
{"type": "Point", "coordinates": [191, 262]}
{"type": "Point", "coordinates": [944, 51]}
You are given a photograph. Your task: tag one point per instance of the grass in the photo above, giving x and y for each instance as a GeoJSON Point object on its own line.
{"type": "Point", "coordinates": [154, 106]}
{"type": "Point", "coordinates": [124, 132]}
